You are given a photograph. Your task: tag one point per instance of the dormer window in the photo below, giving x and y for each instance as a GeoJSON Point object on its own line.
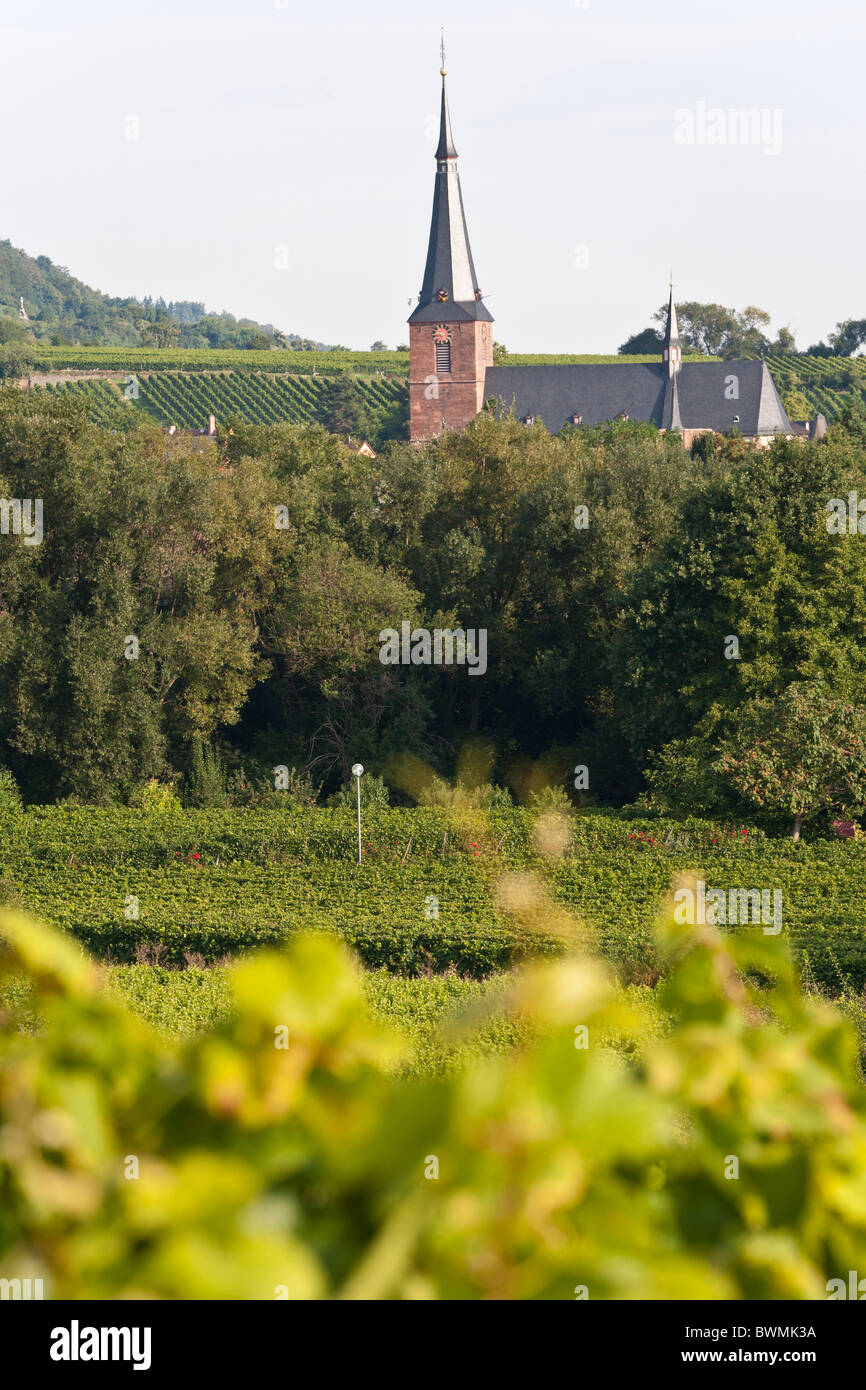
{"type": "Point", "coordinates": [622, 415]}
{"type": "Point", "coordinates": [529, 419]}
{"type": "Point", "coordinates": [577, 418]}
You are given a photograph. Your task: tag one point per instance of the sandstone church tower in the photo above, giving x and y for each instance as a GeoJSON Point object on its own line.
{"type": "Point", "coordinates": [450, 333]}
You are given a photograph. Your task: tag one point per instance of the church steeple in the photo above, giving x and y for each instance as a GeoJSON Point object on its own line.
{"type": "Point", "coordinates": [450, 292]}
{"type": "Point", "coordinates": [450, 335]}
{"type": "Point", "coordinates": [672, 356]}
{"type": "Point", "coordinates": [672, 352]}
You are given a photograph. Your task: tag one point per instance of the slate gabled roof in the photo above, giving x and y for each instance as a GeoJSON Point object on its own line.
{"type": "Point", "coordinates": [449, 265]}
{"type": "Point", "coordinates": [601, 392]}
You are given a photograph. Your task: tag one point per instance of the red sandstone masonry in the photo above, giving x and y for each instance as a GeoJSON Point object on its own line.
{"type": "Point", "coordinates": [455, 397]}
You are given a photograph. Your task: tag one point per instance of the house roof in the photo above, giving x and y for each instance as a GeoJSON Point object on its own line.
{"type": "Point", "coordinates": [450, 291]}
{"type": "Point", "coordinates": [709, 394]}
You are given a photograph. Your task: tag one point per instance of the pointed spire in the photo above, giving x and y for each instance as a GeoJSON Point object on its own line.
{"type": "Point", "coordinates": [445, 149]}
{"type": "Point", "coordinates": [672, 352]}
{"type": "Point", "coordinates": [450, 292]}
{"type": "Point", "coordinates": [672, 420]}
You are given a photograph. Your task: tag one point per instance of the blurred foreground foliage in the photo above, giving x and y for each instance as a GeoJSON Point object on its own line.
{"type": "Point", "coordinates": [306, 1171]}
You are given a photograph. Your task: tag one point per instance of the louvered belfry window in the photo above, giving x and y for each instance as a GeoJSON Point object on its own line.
{"type": "Point", "coordinates": [443, 357]}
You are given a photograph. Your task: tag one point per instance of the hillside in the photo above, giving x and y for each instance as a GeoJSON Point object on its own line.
{"type": "Point", "coordinates": [63, 310]}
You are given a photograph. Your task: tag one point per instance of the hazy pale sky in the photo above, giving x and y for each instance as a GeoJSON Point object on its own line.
{"type": "Point", "coordinates": [275, 157]}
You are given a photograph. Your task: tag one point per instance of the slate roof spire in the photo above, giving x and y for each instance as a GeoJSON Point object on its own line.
{"type": "Point", "coordinates": [671, 417]}
{"type": "Point", "coordinates": [450, 292]}
{"type": "Point", "coordinates": [672, 352]}
{"type": "Point", "coordinates": [445, 149]}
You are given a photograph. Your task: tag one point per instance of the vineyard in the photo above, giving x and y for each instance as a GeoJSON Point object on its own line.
{"type": "Point", "coordinates": [215, 883]}
{"type": "Point", "coordinates": [184, 387]}
{"type": "Point", "coordinates": [278, 360]}
{"type": "Point", "coordinates": [258, 398]}
{"type": "Point", "coordinates": [829, 384]}
{"type": "Point", "coordinates": [277, 1105]}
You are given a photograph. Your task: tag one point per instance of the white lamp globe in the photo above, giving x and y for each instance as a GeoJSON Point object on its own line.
{"type": "Point", "coordinates": [357, 770]}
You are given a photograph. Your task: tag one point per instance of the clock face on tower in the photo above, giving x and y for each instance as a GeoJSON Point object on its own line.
{"type": "Point", "coordinates": [442, 296]}
{"type": "Point", "coordinates": [441, 334]}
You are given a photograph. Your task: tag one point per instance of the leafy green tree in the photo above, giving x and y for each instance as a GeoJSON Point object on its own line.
{"type": "Point", "coordinates": [849, 337]}
{"type": "Point", "coordinates": [16, 360]}
{"type": "Point", "coordinates": [131, 626]}
{"type": "Point", "coordinates": [649, 340]}
{"type": "Point", "coordinates": [342, 407]}
{"type": "Point", "coordinates": [749, 558]}
{"type": "Point", "coordinates": [800, 753]}
{"type": "Point", "coordinates": [796, 406]}
{"type": "Point", "coordinates": [720, 332]}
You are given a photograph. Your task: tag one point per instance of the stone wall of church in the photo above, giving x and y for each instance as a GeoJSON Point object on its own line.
{"type": "Point", "coordinates": [454, 397]}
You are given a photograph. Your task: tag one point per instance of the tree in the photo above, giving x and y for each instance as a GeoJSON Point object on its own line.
{"type": "Point", "coordinates": [849, 337]}
{"type": "Point", "coordinates": [342, 407]}
{"type": "Point", "coordinates": [720, 332]}
{"type": "Point", "coordinates": [130, 627]}
{"type": "Point", "coordinates": [749, 557]}
{"type": "Point", "coordinates": [162, 333]}
{"type": "Point", "coordinates": [801, 752]}
{"type": "Point", "coordinates": [16, 359]}
{"type": "Point", "coordinates": [639, 344]}
{"type": "Point", "coordinates": [785, 341]}
{"type": "Point", "coordinates": [796, 406]}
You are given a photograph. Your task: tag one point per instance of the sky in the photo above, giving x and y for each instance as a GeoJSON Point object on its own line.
{"type": "Point", "coordinates": [274, 158]}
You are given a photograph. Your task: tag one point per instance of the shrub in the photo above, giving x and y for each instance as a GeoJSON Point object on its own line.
{"type": "Point", "coordinates": [207, 775]}
{"type": "Point", "coordinates": [682, 779]}
{"type": "Point", "coordinates": [10, 796]}
{"type": "Point", "coordinates": [374, 792]}
{"type": "Point", "coordinates": [156, 796]}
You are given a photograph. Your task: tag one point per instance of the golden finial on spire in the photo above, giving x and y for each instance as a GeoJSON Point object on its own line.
{"type": "Point", "coordinates": [442, 70]}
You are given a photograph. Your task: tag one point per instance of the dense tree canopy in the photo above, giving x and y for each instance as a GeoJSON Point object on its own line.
{"type": "Point", "coordinates": [233, 592]}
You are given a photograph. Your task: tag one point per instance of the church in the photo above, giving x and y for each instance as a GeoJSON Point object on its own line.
{"type": "Point", "coordinates": [452, 376]}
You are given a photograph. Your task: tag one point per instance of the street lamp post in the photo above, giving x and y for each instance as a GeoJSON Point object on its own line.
{"type": "Point", "coordinates": [357, 773]}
